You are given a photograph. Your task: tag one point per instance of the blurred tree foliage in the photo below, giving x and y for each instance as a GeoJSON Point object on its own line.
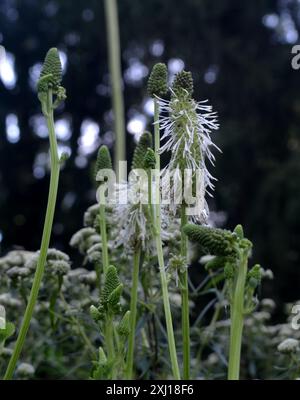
{"type": "Point", "coordinates": [240, 55]}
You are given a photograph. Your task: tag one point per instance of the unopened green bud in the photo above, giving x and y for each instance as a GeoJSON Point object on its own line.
{"type": "Point", "coordinates": [114, 297]}
{"type": "Point", "coordinates": [140, 150]}
{"type": "Point", "coordinates": [149, 159]}
{"type": "Point", "coordinates": [215, 241]}
{"type": "Point", "coordinates": [102, 357]}
{"type": "Point", "coordinates": [51, 74]}
{"type": "Point", "coordinates": [158, 80]}
{"type": "Point", "coordinates": [111, 283]}
{"type": "Point", "coordinates": [103, 160]}
{"type": "Point", "coordinates": [183, 81]}
{"type": "Point", "coordinates": [239, 231]}
{"type": "Point", "coordinates": [95, 314]}
{"type": "Point", "coordinates": [254, 276]}
{"type": "Point", "coordinates": [123, 328]}
{"type": "Point", "coordinates": [229, 271]}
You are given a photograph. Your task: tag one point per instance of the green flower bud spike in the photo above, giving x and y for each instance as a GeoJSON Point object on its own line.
{"type": "Point", "coordinates": [112, 282]}
{"type": "Point", "coordinates": [50, 79]}
{"type": "Point", "coordinates": [149, 159]}
{"type": "Point", "coordinates": [103, 160]}
{"type": "Point", "coordinates": [123, 328]}
{"type": "Point", "coordinates": [158, 81]}
{"type": "Point", "coordinates": [239, 231]}
{"type": "Point", "coordinates": [95, 314]}
{"type": "Point", "coordinates": [218, 242]}
{"type": "Point", "coordinates": [140, 150]}
{"type": "Point", "coordinates": [183, 81]}
{"type": "Point", "coordinates": [101, 366]}
{"type": "Point", "coordinates": [51, 74]}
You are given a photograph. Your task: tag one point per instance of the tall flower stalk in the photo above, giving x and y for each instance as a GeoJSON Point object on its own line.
{"type": "Point", "coordinates": [157, 86]}
{"type": "Point", "coordinates": [138, 163]}
{"type": "Point", "coordinates": [113, 42]}
{"type": "Point", "coordinates": [185, 316]}
{"type": "Point", "coordinates": [186, 133]}
{"type": "Point", "coordinates": [133, 311]}
{"type": "Point", "coordinates": [48, 86]}
{"type": "Point", "coordinates": [237, 320]}
{"type": "Point", "coordinates": [238, 310]}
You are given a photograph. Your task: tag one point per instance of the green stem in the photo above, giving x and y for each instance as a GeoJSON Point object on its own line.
{"type": "Point", "coordinates": [109, 341]}
{"type": "Point", "coordinates": [133, 312]}
{"type": "Point", "coordinates": [113, 40]}
{"type": "Point", "coordinates": [105, 261]}
{"type": "Point", "coordinates": [237, 320]}
{"type": "Point", "coordinates": [185, 316]}
{"type": "Point", "coordinates": [163, 277]}
{"type": "Point", "coordinates": [54, 178]}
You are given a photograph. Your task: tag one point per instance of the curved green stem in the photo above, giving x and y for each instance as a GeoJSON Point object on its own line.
{"type": "Point", "coordinates": [185, 313]}
{"type": "Point", "coordinates": [133, 312]}
{"type": "Point", "coordinates": [237, 320]}
{"type": "Point", "coordinates": [162, 270]}
{"type": "Point", "coordinates": [54, 178]}
{"type": "Point", "coordinates": [113, 41]}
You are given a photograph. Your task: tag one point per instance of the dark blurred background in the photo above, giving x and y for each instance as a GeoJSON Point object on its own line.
{"type": "Point", "coordinates": [240, 56]}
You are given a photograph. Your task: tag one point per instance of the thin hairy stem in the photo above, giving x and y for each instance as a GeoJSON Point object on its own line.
{"type": "Point", "coordinates": [54, 178]}
{"type": "Point", "coordinates": [113, 41]}
{"type": "Point", "coordinates": [237, 320]}
{"type": "Point", "coordinates": [163, 277]}
{"type": "Point", "coordinates": [185, 312]}
{"type": "Point", "coordinates": [133, 311]}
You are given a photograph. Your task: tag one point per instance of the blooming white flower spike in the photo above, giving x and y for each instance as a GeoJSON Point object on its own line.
{"type": "Point", "coordinates": [186, 134]}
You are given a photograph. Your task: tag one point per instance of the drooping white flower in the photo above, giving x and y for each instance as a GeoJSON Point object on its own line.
{"type": "Point", "coordinates": [130, 217]}
{"type": "Point", "coordinates": [134, 220]}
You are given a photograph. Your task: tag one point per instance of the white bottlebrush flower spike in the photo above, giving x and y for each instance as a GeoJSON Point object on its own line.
{"type": "Point", "coordinates": [186, 134]}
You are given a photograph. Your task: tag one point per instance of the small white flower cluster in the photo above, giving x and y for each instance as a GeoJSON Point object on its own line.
{"type": "Point", "coordinates": [289, 346]}
{"type": "Point", "coordinates": [57, 262]}
{"type": "Point", "coordinates": [25, 370]}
